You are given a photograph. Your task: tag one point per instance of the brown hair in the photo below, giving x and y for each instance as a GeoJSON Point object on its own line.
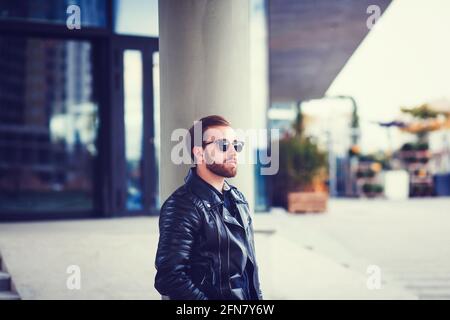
{"type": "Point", "coordinates": [204, 123]}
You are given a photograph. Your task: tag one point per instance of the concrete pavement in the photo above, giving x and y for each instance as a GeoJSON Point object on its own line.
{"type": "Point", "coordinates": [116, 260]}
{"type": "Point", "coordinates": [408, 240]}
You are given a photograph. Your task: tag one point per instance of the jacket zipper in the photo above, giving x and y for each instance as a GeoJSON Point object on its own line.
{"type": "Point", "coordinates": [228, 253]}
{"type": "Point", "coordinates": [228, 260]}
{"type": "Point", "coordinates": [203, 280]}
{"type": "Point", "coordinates": [220, 261]}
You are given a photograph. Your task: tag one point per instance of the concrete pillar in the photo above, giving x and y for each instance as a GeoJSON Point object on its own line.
{"type": "Point", "coordinates": [204, 69]}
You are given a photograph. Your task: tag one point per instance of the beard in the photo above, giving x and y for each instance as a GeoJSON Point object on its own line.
{"type": "Point", "coordinates": [222, 170]}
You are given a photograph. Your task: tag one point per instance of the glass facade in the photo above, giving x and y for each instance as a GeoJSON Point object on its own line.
{"type": "Point", "coordinates": [48, 124]}
{"type": "Point", "coordinates": [259, 94]}
{"type": "Point", "coordinates": [157, 120]}
{"type": "Point", "coordinates": [92, 12]}
{"type": "Point", "coordinates": [136, 17]}
{"type": "Point", "coordinates": [133, 104]}
{"type": "Point", "coordinates": [77, 109]}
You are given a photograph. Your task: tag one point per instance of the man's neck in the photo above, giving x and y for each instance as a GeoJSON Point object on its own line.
{"type": "Point", "coordinates": [213, 179]}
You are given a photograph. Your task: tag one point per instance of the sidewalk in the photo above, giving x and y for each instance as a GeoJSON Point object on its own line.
{"type": "Point", "coordinates": [116, 257]}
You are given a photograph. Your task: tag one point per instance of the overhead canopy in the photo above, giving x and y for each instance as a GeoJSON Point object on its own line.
{"type": "Point", "coordinates": [310, 41]}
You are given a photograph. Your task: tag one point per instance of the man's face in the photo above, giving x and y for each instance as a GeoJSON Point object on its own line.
{"type": "Point", "coordinates": [222, 163]}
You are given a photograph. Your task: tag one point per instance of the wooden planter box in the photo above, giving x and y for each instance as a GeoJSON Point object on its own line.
{"type": "Point", "coordinates": [373, 194]}
{"type": "Point", "coordinates": [307, 202]}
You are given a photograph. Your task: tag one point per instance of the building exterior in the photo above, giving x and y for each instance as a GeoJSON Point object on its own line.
{"type": "Point", "coordinates": [82, 133]}
{"type": "Point", "coordinates": [66, 147]}
{"type": "Point", "coordinates": [309, 43]}
{"type": "Point", "coordinates": [86, 116]}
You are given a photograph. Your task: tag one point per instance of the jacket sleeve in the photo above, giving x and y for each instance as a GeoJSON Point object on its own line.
{"type": "Point", "coordinates": [179, 221]}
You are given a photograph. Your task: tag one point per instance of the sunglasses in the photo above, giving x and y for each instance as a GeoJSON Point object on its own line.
{"type": "Point", "coordinates": [224, 144]}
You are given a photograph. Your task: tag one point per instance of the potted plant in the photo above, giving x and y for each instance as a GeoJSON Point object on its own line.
{"type": "Point", "coordinates": [372, 190]}
{"type": "Point", "coordinates": [422, 146]}
{"type": "Point", "coordinates": [299, 185]}
{"type": "Point", "coordinates": [407, 147]}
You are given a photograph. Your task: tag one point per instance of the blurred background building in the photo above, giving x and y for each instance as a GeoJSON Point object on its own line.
{"type": "Point", "coordinates": [82, 133]}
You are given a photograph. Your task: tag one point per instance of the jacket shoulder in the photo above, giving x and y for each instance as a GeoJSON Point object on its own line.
{"type": "Point", "coordinates": [181, 197]}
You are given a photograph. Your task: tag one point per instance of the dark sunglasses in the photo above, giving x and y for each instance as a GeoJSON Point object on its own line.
{"type": "Point", "coordinates": [224, 144]}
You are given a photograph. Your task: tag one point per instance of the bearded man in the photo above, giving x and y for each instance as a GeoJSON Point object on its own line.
{"type": "Point", "coordinates": [206, 248]}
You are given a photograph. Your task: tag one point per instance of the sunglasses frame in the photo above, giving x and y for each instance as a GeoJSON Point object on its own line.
{"type": "Point", "coordinates": [234, 144]}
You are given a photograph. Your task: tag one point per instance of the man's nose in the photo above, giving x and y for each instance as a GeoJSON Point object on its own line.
{"type": "Point", "coordinates": [232, 151]}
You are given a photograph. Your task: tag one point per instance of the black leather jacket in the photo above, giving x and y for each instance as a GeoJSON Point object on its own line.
{"type": "Point", "coordinates": [194, 259]}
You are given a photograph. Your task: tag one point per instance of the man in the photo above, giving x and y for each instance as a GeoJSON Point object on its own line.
{"type": "Point", "coordinates": [206, 248]}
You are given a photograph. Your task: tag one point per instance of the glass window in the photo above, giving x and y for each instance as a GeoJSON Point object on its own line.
{"type": "Point", "coordinates": [157, 121]}
{"type": "Point", "coordinates": [92, 12]}
{"type": "Point", "coordinates": [136, 17]}
{"type": "Point", "coordinates": [48, 125]}
{"type": "Point", "coordinates": [133, 104]}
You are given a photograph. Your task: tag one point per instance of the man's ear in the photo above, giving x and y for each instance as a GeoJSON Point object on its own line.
{"type": "Point", "coordinates": [198, 154]}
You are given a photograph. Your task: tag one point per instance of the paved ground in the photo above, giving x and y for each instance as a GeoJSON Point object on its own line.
{"type": "Point", "coordinates": [312, 256]}
{"type": "Point", "coordinates": [408, 240]}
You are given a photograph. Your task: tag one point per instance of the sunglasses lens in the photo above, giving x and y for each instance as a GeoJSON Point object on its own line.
{"type": "Point", "coordinates": [223, 145]}
{"type": "Point", "coordinates": [238, 146]}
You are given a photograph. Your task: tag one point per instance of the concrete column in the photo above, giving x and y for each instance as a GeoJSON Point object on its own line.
{"type": "Point", "coordinates": [204, 69]}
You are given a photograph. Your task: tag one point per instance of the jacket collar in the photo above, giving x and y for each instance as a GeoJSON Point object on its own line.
{"type": "Point", "coordinates": [203, 190]}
